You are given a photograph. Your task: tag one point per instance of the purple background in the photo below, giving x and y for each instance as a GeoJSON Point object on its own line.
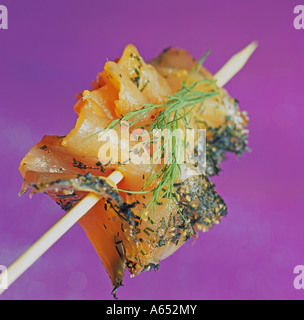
{"type": "Point", "coordinates": [53, 49]}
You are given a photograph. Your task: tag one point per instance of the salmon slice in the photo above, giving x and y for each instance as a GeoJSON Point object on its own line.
{"type": "Point", "coordinates": [123, 236]}
{"type": "Point", "coordinates": [220, 116]}
{"type": "Point", "coordinates": [125, 232]}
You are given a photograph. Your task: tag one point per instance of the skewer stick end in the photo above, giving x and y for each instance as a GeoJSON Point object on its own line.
{"type": "Point", "coordinates": [235, 64]}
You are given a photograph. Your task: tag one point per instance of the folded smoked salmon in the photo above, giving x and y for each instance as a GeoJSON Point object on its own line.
{"type": "Point", "coordinates": [156, 208]}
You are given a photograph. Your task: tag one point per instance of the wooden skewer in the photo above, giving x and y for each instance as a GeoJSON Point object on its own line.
{"type": "Point", "coordinates": [229, 70]}
{"type": "Point", "coordinates": [235, 64]}
{"type": "Point", "coordinates": [53, 234]}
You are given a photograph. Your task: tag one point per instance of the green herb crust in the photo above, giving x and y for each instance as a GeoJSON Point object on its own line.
{"type": "Point", "coordinates": [226, 138]}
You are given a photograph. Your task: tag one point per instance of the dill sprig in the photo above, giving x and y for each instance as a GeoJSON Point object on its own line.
{"type": "Point", "coordinates": [176, 110]}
